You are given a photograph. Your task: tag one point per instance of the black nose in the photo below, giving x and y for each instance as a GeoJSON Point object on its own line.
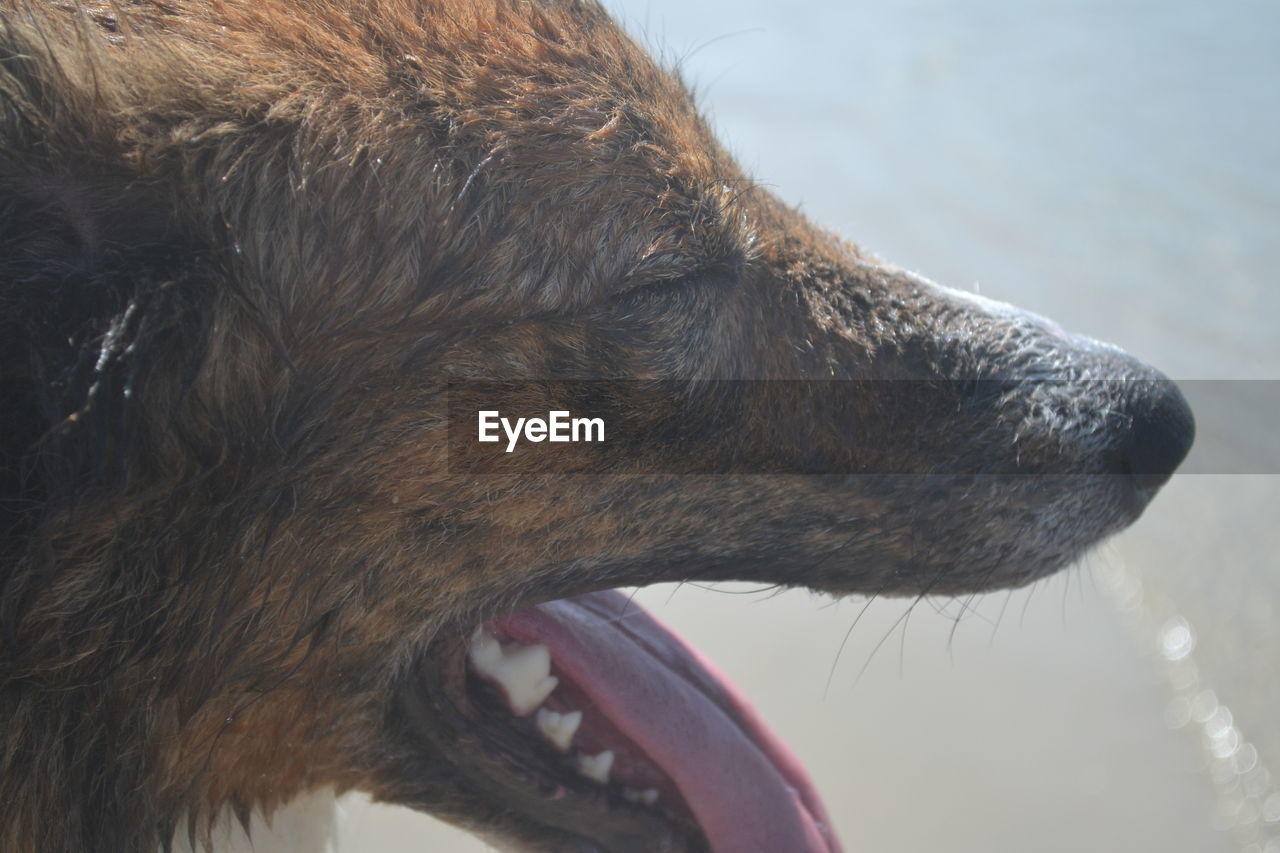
{"type": "Point", "coordinates": [1160, 435]}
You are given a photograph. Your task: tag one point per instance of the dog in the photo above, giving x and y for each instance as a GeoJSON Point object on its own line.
{"type": "Point", "coordinates": [266, 262]}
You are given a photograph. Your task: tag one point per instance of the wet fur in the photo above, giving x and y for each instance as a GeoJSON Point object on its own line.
{"type": "Point", "coordinates": [243, 245]}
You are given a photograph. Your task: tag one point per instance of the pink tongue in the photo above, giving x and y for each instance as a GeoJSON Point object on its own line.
{"type": "Point", "coordinates": [748, 792]}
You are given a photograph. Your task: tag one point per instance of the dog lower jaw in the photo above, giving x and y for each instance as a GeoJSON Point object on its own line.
{"type": "Point", "coordinates": [496, 776]}
{"type": "Point", "coordinates": [635, 744]}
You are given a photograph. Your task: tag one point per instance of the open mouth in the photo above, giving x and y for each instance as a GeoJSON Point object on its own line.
{"type": "Point", "coordinates": [591, 719]}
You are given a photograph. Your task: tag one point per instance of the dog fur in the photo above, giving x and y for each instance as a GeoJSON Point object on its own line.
{"type": "Point", "coordinates": [244, 247]}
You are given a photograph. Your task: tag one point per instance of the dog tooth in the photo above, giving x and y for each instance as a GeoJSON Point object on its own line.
{"type": "Point", "coordinates": [525, 695]}
{"type": "Point", "coordinates": [559, 728]}
{"type": "Point", "coordinates": [596, 767]}
{"type": "Point", "coordinates": [523, 672]}
{"type": "Point", "coordinates": [529, 681]}
{"type": "Point", "coordinates": [548, 723]}
{"type": "Point", "coordinates": [485, 652]}
{"type": "Point", "coordinates": [569, 723]}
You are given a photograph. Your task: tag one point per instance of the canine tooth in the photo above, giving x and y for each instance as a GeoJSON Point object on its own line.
{"type": "Point", "coordinates": [558, 728]}
{"type": "Point", "coordinates": [484, 651]}
{"type": "Point", "coordinates": [596, 767]}
{"type": "Point", "coordinates": [524, 672]}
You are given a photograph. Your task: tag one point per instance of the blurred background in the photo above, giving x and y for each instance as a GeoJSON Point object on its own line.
{"type": "Point", "coordinates": [1114, 164]}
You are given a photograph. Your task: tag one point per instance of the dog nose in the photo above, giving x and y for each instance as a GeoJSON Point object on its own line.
{"type": "Point", "coordinates": [1160, 435]}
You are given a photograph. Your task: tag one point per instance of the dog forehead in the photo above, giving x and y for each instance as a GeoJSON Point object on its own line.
{"type": "Point", "coordinates": [561, 127]}
{"type": "Point", "coordinates": [514, 153]}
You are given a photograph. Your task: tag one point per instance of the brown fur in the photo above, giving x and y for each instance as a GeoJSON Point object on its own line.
{"type": "Point", "coordinates": [245, 244]}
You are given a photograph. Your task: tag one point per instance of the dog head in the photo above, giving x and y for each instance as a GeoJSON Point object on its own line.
{"type": "Point", "coordinates": [257, 257]}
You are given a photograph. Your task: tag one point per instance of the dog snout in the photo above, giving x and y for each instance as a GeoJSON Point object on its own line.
{"type": "Point", "coordinates": [1076, 405]}
{"type": "Point", "coordinates": [1094, 409]}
